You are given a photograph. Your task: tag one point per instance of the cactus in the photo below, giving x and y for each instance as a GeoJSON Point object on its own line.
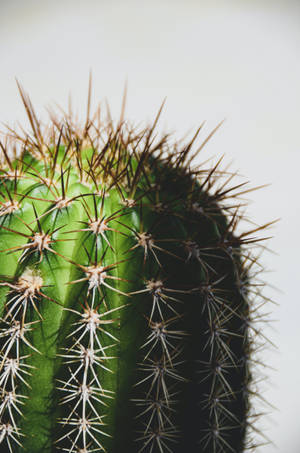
{"type": "Point", "coordinates": [129, 300]}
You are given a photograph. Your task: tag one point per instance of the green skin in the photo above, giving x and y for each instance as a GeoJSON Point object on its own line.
{"type": "Point", "coordinates": [200, 427]}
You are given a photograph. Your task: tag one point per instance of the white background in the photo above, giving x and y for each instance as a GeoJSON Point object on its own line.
{"type": "Point", "coordinates": [237, 60]}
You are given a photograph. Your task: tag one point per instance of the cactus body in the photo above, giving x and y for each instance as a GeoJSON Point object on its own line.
{"type": "Point", "coordinates": [126, 308]}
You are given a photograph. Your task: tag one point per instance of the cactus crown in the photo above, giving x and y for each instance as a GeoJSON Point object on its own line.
{"type": "Point", "coordinates": [129, 300]}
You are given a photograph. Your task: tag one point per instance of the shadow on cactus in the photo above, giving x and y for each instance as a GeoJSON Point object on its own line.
{"type": "Point", "coordinates": [129, 301]}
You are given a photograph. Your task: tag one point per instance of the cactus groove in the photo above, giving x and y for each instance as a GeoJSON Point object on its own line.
{"type": "Point", "coordinates": [129, 300]}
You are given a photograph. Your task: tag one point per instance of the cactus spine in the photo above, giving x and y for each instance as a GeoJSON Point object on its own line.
{"type": "Point", "coordinates": [128, 299]}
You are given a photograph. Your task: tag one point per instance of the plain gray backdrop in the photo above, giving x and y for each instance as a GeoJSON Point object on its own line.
{"type": "Point", "coordinates": [212, 60]}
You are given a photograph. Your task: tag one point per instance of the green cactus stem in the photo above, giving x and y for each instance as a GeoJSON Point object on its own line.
{"type": "Point", "coordinates": [128, 298]}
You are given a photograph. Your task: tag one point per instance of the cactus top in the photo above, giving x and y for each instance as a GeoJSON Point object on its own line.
{"type": "Point", "coordinates": [128, 299]}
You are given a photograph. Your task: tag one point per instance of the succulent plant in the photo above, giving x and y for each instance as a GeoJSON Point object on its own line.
{"type": "Point", "coordinates": [129, 300]}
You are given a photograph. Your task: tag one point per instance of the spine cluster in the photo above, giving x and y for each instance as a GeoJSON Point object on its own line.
{"type": "Point", "coordinates": [160, 369]}
{"type": "Point", "coordinates": [82, 390]}
{"type": "Point", "coordinates": [85, 398]}
{"type": "Point", "coordinates": [14, 370]}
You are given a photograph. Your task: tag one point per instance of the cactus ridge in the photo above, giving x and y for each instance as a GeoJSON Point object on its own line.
{"type": "Point", "coordinates": [130, 305]}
